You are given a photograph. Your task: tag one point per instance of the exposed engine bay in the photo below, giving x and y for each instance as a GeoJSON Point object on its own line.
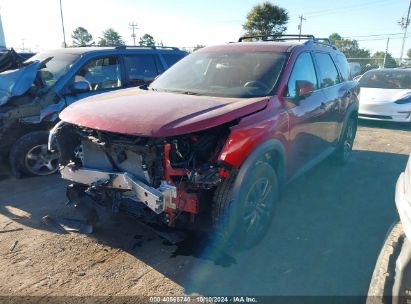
{"type": "Point", "coordinates": [163, 180]}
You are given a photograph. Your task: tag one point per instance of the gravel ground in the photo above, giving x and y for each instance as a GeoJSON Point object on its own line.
{"type": "Point", "coordinates": [325, 239]}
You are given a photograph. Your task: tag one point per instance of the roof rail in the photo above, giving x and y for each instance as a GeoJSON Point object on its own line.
{"type": "Point", "coordinates": [123, 47]}
{"type": "Point", "coordinates": [283, 37]}
{"type": "Point", "coordinates": [276, 37]}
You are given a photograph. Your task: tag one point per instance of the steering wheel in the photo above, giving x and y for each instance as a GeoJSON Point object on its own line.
{"type": "Point", "coordinates": [256, 83]}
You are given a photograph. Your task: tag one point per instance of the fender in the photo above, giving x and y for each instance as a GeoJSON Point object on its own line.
{"type": "Point", "coordinates": [273, 152]}
{"type": "Point", "coordinates": [253, 131]}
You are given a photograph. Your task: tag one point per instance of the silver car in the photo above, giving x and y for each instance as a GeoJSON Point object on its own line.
{"type": "Point", "coordinates": [385, 94]}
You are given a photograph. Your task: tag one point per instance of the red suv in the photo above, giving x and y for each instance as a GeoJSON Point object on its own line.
{"type": "Point", "coordinates": [215, 137]}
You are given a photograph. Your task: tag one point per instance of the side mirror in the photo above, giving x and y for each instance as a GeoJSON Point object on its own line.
{"type": "Point", "coordinates": [79, 87]}
{"type": "Point", "coordinates": [304, 88]}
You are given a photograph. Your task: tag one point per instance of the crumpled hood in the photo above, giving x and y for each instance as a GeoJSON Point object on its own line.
{"type": "Point", "coordinates": [17, 82]}
{"type": "Point", "coordinates": [376, 95]}
{"type": "Point", "coordinates": [157, 114]}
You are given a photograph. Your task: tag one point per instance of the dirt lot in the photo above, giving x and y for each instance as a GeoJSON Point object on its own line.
{"type": "Point", "coordinates": [325, 239]}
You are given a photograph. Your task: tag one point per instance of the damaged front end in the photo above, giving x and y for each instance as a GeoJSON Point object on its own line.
{"type": "Point", "coordinates": [161, 180]}
{"type": "Point", "coordinates": [26, 104]}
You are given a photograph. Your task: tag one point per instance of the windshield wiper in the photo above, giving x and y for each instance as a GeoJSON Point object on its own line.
{"type": "Point", "coordinates": [184, 92]}
{"type": "Point", "coordinates": [174, 91]}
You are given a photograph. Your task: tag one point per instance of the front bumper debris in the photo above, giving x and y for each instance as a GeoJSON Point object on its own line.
{"type": "Point", "coordinates": [155, 199]}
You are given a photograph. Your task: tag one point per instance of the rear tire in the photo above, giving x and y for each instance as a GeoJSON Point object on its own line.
{"type": "Point", "coordinates": [30, 156]}
{"type": "Point", "coordinates": [343, 152]}
{"type": "Point", "coordinates": [241, 217]}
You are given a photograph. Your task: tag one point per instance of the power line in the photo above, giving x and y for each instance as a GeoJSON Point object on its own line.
{"type": "Point", "coordinates": [372, 35]}
{"type": "Point", "coordinates": [375, 39]}
{"type": "Point", "coordinates": [338, 9]}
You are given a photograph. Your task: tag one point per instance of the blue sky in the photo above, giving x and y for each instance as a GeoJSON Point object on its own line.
{"type": "Point", "coordinates": [185, 23]}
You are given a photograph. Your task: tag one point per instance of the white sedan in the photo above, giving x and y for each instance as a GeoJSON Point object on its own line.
{"type": "Point", "coordinates": [385, 94]}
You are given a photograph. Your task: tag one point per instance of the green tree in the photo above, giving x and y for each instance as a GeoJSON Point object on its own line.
{"type": "Point", "coordinates": [378, 57]}
{"type": "Point", "coordinates": [266, 19]}
{"type": "Point", "coordinates": [110, 37]}
{"type": "Point", "coordinates": [147, 40]}
{"type": "Point", "coordinates": [352, 50]}
{"type": "Point", "coordinates": [197, 47]}
{"type": "Point", "coordinates": [81, 37]}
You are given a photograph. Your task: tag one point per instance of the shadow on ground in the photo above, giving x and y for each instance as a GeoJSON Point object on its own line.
{"type": "Point", "coordinates": [324, 240]}
{"type": "Point", "coordinates": [385, 125]}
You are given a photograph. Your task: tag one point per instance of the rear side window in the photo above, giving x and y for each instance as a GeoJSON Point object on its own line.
{"type": "Point", "coordinates": [328, 72]}
{"type": "Point", "coordinates": [344, 67]}
{"type": "Point", "coordinates": [303, 70]}
{"type": "Point", "coordinates": [172, 58]}
{"type": "Point", "coordinates": [140, 68]}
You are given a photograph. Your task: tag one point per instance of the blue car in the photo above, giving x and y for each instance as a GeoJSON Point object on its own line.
{"type": "Point", "coordinates": [32, 97]}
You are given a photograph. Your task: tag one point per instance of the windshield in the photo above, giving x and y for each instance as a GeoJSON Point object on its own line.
{"type": "Point", "coordinates": [386, 79]}
{"type": "Point", "coordinates": [234, 74]}
{"type": "Point", "coordinates": [55, 68]}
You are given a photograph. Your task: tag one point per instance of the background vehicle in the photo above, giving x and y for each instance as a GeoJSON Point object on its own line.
{"type": "Point", "coordinates": [10, 59]}
{"type": "Point", "coordinates": [32, 97]}
{"type": "Point", "coordinates": [391, 280]}
{"type": "Point", "coordinates": [385, 94]}
{"type": "Point", "coordinates": [228, 124]}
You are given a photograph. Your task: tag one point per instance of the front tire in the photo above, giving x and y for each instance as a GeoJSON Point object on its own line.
{"type": "Point", "coordinates": [30, 156]}
{"type": "Point", "coordinates": [241, 217]}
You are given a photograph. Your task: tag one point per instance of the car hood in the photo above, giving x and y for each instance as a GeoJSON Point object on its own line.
{"type": "Point", "coordinates": [17, 82]}
{"type": "Point", "coordinates": [375, 95]}
{"type": "Point", "coordinates": [157, 114]}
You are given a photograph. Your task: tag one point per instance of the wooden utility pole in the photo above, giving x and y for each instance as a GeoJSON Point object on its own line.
{"type": "Point", "coordinates": [300, 25]}
{"type": "Point", "coordinates": [386, 52]}
{"type": "Point", "coordinates": [405, 27]}
{"type": "Point", "coordinates": [62, 25]}
{"type": "Point", "coordinates": [133, 26]}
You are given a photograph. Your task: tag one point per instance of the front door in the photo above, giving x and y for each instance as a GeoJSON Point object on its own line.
{"type": "Point", "coordinates": [103, 74]}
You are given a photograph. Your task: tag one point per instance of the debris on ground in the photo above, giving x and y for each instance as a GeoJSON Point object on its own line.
{"type": "Point", "coordinates": [13, 246]}
{"type": "Point", "coordinates": [68, 225]}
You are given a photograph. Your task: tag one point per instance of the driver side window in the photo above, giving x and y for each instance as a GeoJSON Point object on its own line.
{"type": "Point", "coordinates": [303, 70]}
{"type": "Point", "coordinates": [102, 73]}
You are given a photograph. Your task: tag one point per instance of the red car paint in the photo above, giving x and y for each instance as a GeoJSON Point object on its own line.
{"type": "Point", "coordinates": [156, 114]}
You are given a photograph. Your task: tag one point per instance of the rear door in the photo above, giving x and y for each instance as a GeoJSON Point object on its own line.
{"type": "Point", "coordinates": [330, 84]}
{"type": "Point", "coordinates": [306, 115]}
{"type": "Point", "coordinates": [141, 68]}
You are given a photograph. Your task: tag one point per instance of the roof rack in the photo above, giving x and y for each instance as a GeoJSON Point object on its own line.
{"type": "Point", "coordinates": [285, 37]}
{"type": "Point", "coordinates": [276, 37]}
{"type": "Point", "coordinates": [123, 47]}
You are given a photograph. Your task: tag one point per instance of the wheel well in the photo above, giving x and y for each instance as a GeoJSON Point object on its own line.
{"type": "Point", "coordinates": [16, 131]}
